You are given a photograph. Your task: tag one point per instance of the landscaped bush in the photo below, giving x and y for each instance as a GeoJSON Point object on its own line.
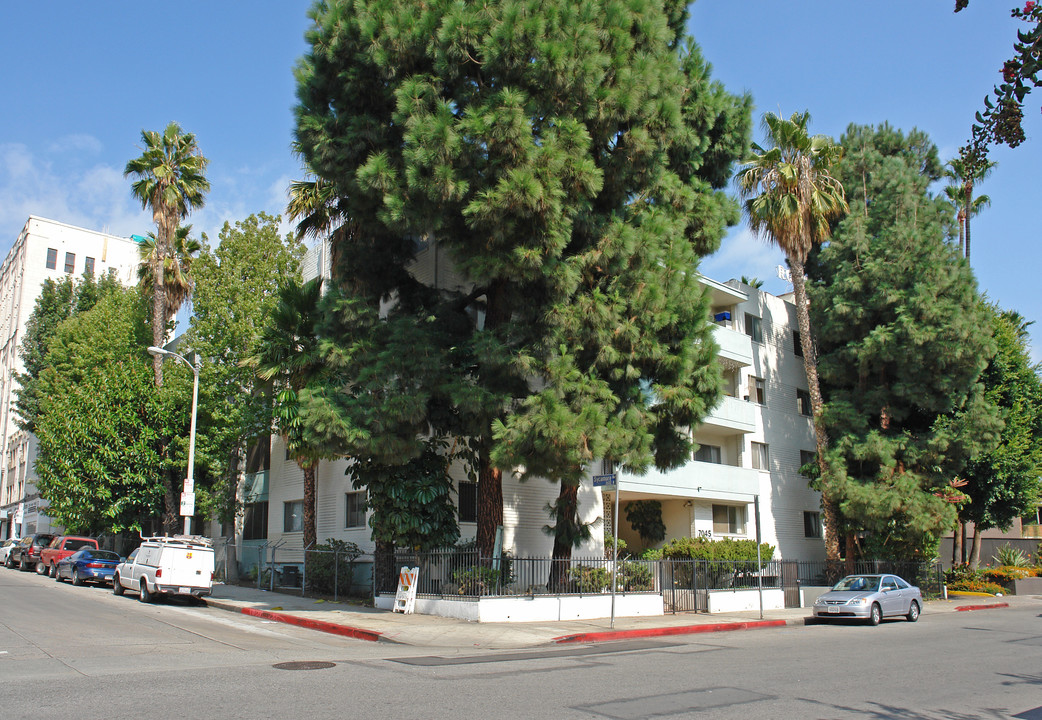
{"type": "Point", "coordinates": [636, 577]}
{"type": "Point", "coordinates": [332, 563]}
{"type": "Point", "coordinates": [477, 580]}
{"type": "Point", "coordinates": [1005, 575]}
{"type": "Point", "coordinates": [1009, 556]}
{"type": "Point", "coordinates": [724, 549]}
{"type": "Point", "coordinates": [977, 586]}
{"type": "Point", "coordinates": [590, 579]}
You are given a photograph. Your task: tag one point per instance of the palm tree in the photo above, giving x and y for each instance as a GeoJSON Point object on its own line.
{"type": "Point", "coordinates": [791, 200]}
{"type": "Point", "coordinates": [288, 355]}
{"type": "Point", "coordinates": [171, 182]}
{"type": "Point", "coordinates": [965, 174]}
{"type": "Point", "coordinates": [176, 270]}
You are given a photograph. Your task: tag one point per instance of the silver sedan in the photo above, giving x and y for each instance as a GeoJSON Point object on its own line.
{"type": "Point", "coordinates": [871, 598]}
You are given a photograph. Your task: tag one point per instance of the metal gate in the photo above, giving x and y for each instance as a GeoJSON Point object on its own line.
{"type": "Point", "coordinates": [790, 582]}
{"type": "Point", "coordinates": [683, 584]}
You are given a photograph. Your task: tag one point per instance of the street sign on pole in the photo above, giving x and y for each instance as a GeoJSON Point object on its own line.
{"type": "Point", "coordinates": [187, 505]}
{"type": "Point", "coordinates": [604, 481]}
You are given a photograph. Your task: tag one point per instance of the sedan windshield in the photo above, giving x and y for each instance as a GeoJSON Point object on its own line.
{"type": "Point", "coordinates": [858, 583]}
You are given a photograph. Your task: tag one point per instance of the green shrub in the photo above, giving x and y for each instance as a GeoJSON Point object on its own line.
{"type": "Point", "coordinates": [976, 586]}
{"type": "Point", "coordinates": [590, 579]}
{"type": "Point", "coordinates": [332, 564]}
{"type": "Point", "coordinates": [724, 549]}
{"type": "Point", "coordinates": [636, 577]}
{"type": "Point", "coordinates": [1009, 556]}
{"type": "Point", "coordinates": [1005, 575]}
{"type": "Point", "coordinates": [477, 580]}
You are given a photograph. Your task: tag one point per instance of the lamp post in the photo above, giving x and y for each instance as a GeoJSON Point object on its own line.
{"type": "Point", "coordinates": [188, 494]}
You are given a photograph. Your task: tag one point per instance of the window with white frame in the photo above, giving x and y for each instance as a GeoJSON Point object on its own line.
{"type": "Point", "coordinates": [88, 265]}
{"type": "Point", "coordinates": [754, 328]}
{"type": "Point", "coordinates": [728, 520]}
{"type": "Point", "coordinates": [355, 510]}
{"type": "Point", "coordinates": [52, 258]}
{"type": "Point", "coordinates": [757, 390]}
{"type": "Point", "coordinates": [760, 458]}
{"type": "Point", "coordinates": [293, 516]}
{"type": "Point", "coordinates": [70, 262]}
{"type": "Point", "coordinates": [803, 402]}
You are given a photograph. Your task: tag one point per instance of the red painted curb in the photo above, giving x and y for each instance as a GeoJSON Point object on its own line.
{"type": "Point", "coordinates": [659, 632]}
{"type": "Point", "coordinates": [328, 627]}
{"type": "Point", "coordinates": [989, 606]}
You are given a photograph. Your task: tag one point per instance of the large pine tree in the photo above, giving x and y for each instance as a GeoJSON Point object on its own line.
{"type": "Point", "coordinates": [903, 336]}
{"type": "Point", "coordinates": [565, 160]}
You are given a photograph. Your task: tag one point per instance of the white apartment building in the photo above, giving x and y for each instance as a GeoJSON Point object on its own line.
{"type": "Point", "coordinates": [44, 249]}
{"type": "Point", "coordinates": [752, 445]}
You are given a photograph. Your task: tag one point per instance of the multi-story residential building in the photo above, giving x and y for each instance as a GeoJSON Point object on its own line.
{"type": "Point", "coordinates": [44, 249]}
{"type": "Point", "coordinates": [751, 446]}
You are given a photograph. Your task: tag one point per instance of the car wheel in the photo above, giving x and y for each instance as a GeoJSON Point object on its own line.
{"type": "Point", "coordinates": [913, 612]}
{"type": "Point", "coordinates": [76, 579]}
{"type": "Point", "coordinates": [876, 615]}
{"type": "Point", "coordinates": [41, 569]}
{"type": "Point", "coordinates": [57, 576]}
{"type": "Point", "coordinates": [9, 563]}
{"type": "Point", "coordinates": [143, 594]}
{"type": "Point", "coordinates": [117, 589]}
{"type": "Point", "coordinates": [23, 565]}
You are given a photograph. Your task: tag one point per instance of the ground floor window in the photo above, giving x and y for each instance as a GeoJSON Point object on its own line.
{"type": "Point", "coordinates": [255, 521]}
{"type": "Point", "coordinates": [293, 516]}
{"type": "Point", "coordinates": [468, 502]}
{"type": "Point", "coordinates": [812, 524]}
{"type": "Point", "coordinates": [355, 509]}
{"type": "Point", "coordinates": [728, 520]}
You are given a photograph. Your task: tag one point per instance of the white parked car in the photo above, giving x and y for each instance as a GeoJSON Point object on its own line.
{"type": "Point", "coordinates": [5, 549]}
{"type": "Point", "coordinates": [167, 566]}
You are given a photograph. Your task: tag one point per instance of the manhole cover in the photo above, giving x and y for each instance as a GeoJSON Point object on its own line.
{"type": "Point", "coordinates": [304, 665]}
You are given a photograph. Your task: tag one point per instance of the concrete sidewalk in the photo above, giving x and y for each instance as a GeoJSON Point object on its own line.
{"type": "Point", "coordinates": [367, 623]}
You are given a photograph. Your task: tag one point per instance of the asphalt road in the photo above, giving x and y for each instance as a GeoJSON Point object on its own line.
{"type": "Point", "coordinates": [70, 652]}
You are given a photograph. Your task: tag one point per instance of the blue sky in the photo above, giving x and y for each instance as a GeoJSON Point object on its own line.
{"type": "Point", "coordinates": [81, 80]}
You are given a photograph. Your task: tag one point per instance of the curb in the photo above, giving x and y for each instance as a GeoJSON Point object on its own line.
{"type": "Point", "coordinates": [988, 606]}
{"type": "Point", "coordinates": [660, 632]}
{"type": "Point", "coordinates": [320, 625]}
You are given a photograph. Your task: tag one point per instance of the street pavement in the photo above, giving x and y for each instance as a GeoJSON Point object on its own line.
{"type": "Point", "coordinates": [368, 623]}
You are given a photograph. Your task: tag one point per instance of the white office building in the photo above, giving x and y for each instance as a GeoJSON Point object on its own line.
{"type": "Point", "coordinates": [44, 249]}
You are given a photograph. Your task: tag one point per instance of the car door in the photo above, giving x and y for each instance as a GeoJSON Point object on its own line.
{"type": "Point", "coordinates": [892, 601]}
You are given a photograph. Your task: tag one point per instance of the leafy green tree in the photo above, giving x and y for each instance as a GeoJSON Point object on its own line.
{"type": "Point", "coordinates": [561, 171]}
{"type": "Point", "coordinates": [101, 421]}
{"type": "Point", "coordinates": [903, 338]}
{"type": "Point", "coordinates": [58, 300]}
{"type": "Point", "coordinates": [235, 292]}
{"type": "Point", "coordinates": [1003, 483]}
{"type": "Point", "coordinates": [792, 199]}
{"type": "Point", "coordinates": [171, 182]}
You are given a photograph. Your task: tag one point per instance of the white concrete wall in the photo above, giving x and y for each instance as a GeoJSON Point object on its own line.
{"type": "Point", "coordinates": [536, 608]}
{"type": "Point", "coordinates": [727, 601]}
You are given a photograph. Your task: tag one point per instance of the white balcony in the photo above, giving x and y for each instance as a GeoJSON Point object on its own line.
{"type": "Point", "coordinates": [695, 479]}
{"type": "Point", "coordinates": [732, 416]}
{"type": "Point", "coordinates": [735, 347]}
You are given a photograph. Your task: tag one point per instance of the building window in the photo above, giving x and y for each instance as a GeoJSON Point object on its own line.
{"type": "Point", "coordinates": [807, 457]}
{"type": "Point", "coordinates": [757, 390]}
{"type": "Point", "coordinates": [812, 524]}
{"type": "Point", "coordinates": [728, 520]}
{"type": "Point", "coordinates": [70, 262]}
{"type": "Point", "coordinates": [753, 328]}
{"type": "Point", "coordinates": [52, 258]}
{"type": "Point", "coordinates": [708, 453]}
{"type": "Point", "coordinates": [255, 521]}
{"type": "Point", "coordinates": [355, 509]}
{"type": "Point", "coordinates": [797, 343]}
{"type": "Point", "coordinates": [760, 456]}
{"type": "Point", "coordinates": [468, 501]}
{"type": "Point", "coordinates": [293, 516]}
{"type": "Point", "coordinates": [607, 467]}
{"type": "Point", "coordinates": [88, 265]}
{"type": "Point", "coordinates": [803, 402]}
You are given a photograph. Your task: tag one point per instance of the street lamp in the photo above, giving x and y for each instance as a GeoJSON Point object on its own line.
{"type": "Point", "coordinates": [188, 494]}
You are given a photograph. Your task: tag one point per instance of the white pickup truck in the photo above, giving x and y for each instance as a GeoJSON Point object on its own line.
{"type": "Point", "coordinates": [167, 566]}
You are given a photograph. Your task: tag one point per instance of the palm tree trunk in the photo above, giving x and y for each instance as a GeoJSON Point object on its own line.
{"type": "Point", "coordinates": [308, 521]}
{"type": "Point", "coordinates": [490, 505]}
{"type": "Point", "coordinates": [975, 550]}
{"type": "Point", "coordinates": [969, 205]}
{"type": "Point", "coordinates": [567, 504]}
{"type": "Point", "coordinates": [957, 553]}
{"type": "Point", "coordinates": [821, 441]}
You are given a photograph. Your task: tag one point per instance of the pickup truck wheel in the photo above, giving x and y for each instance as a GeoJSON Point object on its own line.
{"type": "Point", "coordinates": [117, 589]}
{"type": "Point", "coordinates": [76, 579]}
{"type": "Point", "coordinates": [143, 594]}
{"type": "Point", "coordinates": [41, 569]}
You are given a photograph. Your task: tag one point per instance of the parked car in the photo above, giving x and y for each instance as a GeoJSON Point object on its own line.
{"type": "Point", "coordinates": [27, 552]}
{"type": "Point", "coordinates": [167, 566]}
{"type": "Point", "coordinates": [59, 548]}
{"type": "Point", "coordinates": [88, 565]}
{"type": "Point", "coordinates": [871, 598]}
{"type": "Point", "coordinates": [5, 549]}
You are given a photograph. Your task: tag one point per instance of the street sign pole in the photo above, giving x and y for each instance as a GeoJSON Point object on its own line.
{"type": "Point", "coordinates": [615, 551]}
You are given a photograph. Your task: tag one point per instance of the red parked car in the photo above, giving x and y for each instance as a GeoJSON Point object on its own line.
{"type": "Point", "coordinates": [60, 548]}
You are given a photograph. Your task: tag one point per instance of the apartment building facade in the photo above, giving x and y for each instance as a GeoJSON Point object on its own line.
{"type": "Point", "coordinates": [44, 249]}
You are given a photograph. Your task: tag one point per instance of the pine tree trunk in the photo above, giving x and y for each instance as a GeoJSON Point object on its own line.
{"type": "Point", "coordinates": [568, 505]}
{"type": "Point", "coordinates": [957, 552]}
{"type": "Point", "coordinates": [810, 366]}
{"type": "Point", "coordinates": [490, 505]}
{"type": "Point", "coordinates": [385, 578]}
{"type": "Point", "coordinates": [308, 521]}
{"type": "Point", "coordinates": [851, 553]}
{"type": "Point", "coordinates": [975, 550]}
